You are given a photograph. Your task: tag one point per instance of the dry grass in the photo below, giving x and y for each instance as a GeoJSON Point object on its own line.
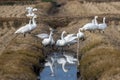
{"type": "Point", "coordinates": [92, 41]}
{"type": "Point", "coordinates": [18, 65]}
{"type": "Point", "coordinates": [100, 54]}
{"type": "Point", "coordinates": [97, 61]}
{"type": "Point", "coordinates": [112, 74]}
{"type": "Point", "coordinates": [75, 8]}
{"type": "Point", "coordinates": [19, 55]}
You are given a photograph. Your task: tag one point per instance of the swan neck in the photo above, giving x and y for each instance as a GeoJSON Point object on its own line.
{"type": "Point", "coordinates": [50, 36]}
{"type": "Point", "coordinates": [103, 20]}
{"type": "Point", "coordinates": [33, 20]}
{"type": "Point", "coordinates": [62, 37]}
{"type": "Point", "coordinates": [29, 21]}
{"type": "Point", "coordinates": [79, 30]}
{"type": "Point", "coordinates": [96, 21]}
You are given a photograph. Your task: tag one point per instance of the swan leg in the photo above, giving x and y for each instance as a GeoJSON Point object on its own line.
{"type": "Point", "coordinates": [24, 35]}
{"type": "Point", "coordinates": [103, 31]}
{"type": "Point", "coordinates": [29, 32]}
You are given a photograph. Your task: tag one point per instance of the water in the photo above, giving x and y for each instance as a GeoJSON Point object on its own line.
{"type": "Point", "coordinates": [59, 73]}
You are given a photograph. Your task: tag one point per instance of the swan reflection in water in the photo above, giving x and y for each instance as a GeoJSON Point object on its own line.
{"type": "Point", "coordinates": [60, 67]}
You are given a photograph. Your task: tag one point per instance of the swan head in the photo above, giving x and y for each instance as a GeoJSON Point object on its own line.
{"type": "Point", "coordinates": [51, 29]}
{"type": "Point", "coordinates": [35, 9]}
{"type": "Point", "coordinates": [28, 7]}
{"type": "Point", "coordinates": [81, 29]}
{"type": "Point", "coordinates": [96, 17]}
{"type": "Point", "coordinates": [64, 32]}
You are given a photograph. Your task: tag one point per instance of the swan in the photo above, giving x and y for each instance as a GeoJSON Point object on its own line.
{"type": "Point", "coordinates": [25, 29]}
{"type": "Point", "coordinates": [62, 61]}
{"type": "Point", "coordinates": [95, 20]}
{"type": "Point", "coordinates": [102, 26]}
{"type": "Point", "coordinates": [47, 39]}
{"type": "Point", "coordinates": [30, 11]}
{"type": "Point", "coordinates": [67, 40]}
{"type": "Point", "coordinates": [70, 59]}
{"type": "Point", "coordinates": [50, 63]}
{"type": "Point", "coordinates": [28, 27]}
{"type": "Point", "coordinates": [80, 35]}
{"type": "Point", "coordinates": [61, 42]}
{"type": "Point", "coordinates": [90, 26]}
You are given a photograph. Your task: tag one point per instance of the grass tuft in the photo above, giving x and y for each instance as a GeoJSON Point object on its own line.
{"type": "Point", "coordinates": [99, 60]}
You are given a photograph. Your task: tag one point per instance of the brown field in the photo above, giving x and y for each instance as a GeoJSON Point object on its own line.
{"type": "Point", "coordinates": [99, 53]}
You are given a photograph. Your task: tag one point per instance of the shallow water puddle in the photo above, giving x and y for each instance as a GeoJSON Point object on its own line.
{"type": "Point", "coordinates": [59, 74]}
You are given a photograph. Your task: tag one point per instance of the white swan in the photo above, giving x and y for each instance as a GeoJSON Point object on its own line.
{"type": "Point", "coordinates": [70, 59]}
{"type": "Point", "coordinates": [67, 40]}
{"type": "Point", "coordinates": [28, 27]}
{"type": "Point", "coordinates": [102, 26]}
{"type": "Point", "coordinates": [50, 63]}
{"type": "Point", "coordinates": [25, 29]}
{"type": "Point", "coordinates": [90, 26]}
{"type": "Point", "coordinates": [80, 35]}
{"type": "Point", "coordinates": [62, 61]}
{"type": "Point", "coordinates": [47, 39]}
{"type": "Point", "coordinates": [61, 42]}
{"type": "Point", "coordinates": [30, 11]}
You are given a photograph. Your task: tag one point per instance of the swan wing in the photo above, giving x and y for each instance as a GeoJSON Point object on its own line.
{"type": "Point", "coordinates": [73, 41]}
{"type": "Point", "coordinates": [69, 36]}
{"type": "Point", "coordinates": [22, 29]}
{"type": "Point", "coordinates": [70, 39]}
{"type": "Point", "coordinates": [42, 36]}
{"type": "Point", "coordinates": [102, 26]}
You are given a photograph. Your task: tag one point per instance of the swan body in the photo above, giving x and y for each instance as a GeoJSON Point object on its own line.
{"type": "Point", "coordinates": [47, 39]}
{"type": "Point", "coordinates": [50, 63]}
{"type": "Point", "coordinates": [90, 26]}
{"type": "Point", "coordinates": [102, 26]}
{"type": "Point", "coordinates": [62, 61]}
{"type": "Point", "coordinates": [25, 29]}
{"type": "Point", "coordinates": [61, 42]}
{"type": "Point", "coordinates": [28, 27]}
{"type": "Point", "coordinates": [67, 40]}
{"type": "Point", "coordinates": [42, 36]}
{"type": "Point", "coordinates": [80, 34]}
